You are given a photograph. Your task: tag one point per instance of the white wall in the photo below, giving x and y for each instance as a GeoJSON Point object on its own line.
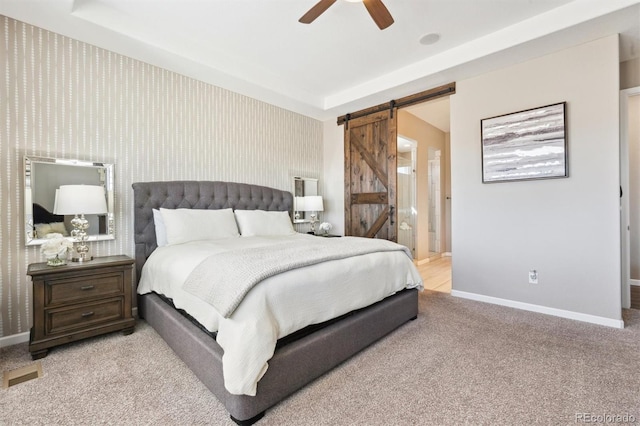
{"type": "Point", "coordinates": [567, 229]}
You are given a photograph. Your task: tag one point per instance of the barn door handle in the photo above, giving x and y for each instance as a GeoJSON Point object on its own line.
{"type": "Point", "coordinates": [391, 210]}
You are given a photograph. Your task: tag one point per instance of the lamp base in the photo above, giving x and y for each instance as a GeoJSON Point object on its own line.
{"type": "Point", "coordinates": [80, 226]}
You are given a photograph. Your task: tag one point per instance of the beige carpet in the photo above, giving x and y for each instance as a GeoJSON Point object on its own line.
{"type": "Point", "coordinates": [460, 362]}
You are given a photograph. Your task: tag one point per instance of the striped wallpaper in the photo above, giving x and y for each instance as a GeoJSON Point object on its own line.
{"type": "Point", "coordinates": [63, 98]}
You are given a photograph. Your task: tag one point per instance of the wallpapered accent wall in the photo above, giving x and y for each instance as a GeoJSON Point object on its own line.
{"type": "Point", "coordinates": [63, 98]}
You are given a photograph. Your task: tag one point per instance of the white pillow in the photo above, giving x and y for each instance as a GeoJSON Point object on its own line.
{"type": "Point", "coordinates": [42, 229]}
{"type": "Point", "coordinates": [184, 225]}
{"type": "Point", "coordinates": [263, 223]}
{"type": "Point", "coordinates": [161, 231]}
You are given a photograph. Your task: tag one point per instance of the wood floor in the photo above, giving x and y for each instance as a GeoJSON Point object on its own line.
{"type": "Point", "coordinates": [436, 274]}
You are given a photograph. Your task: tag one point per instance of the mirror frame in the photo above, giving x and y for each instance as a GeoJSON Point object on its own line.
{"type": "Point", "coordinates": [29, 226]}
{"type": "Point", "coordinates": [302, 214]}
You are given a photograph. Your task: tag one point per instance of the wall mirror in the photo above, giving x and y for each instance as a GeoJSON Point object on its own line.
{"type": "Point", "coordinates": [302, 187]}
{"type": "Point", "coordinates": [42, 176]}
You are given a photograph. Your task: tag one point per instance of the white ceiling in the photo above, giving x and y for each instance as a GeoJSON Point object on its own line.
{"type": "Point", "coordinates": [341, 62]}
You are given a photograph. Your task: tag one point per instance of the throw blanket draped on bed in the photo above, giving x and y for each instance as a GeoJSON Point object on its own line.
{"type": "Point", "coordinates": [236, 272]}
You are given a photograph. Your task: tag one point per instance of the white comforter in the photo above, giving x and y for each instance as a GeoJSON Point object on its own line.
{"type": "Point", "coordinates": [278, 306]}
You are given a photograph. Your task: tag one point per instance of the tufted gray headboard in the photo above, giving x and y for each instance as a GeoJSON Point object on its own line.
{"type": "Point", "coordinates": [196, 195]}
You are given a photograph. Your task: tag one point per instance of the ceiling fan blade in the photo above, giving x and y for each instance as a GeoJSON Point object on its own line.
{"type": "Point", "coordinates": [316, 11]}
{"type": "Point", "coordinates": [379, 13]}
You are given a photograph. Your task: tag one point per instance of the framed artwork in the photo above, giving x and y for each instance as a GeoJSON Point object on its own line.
{"type": "Point", "coordinates": [530, 144]}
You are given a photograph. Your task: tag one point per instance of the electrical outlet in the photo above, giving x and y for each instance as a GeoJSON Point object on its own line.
{"type": "Point", "coordinates": [533, 276]}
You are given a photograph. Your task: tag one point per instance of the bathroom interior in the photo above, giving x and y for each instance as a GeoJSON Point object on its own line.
{"type": "Point", "coordinates": [408, 212]}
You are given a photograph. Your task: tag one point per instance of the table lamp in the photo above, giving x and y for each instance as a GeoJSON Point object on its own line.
{"type": "Point", "coordinates": [80, 200]}
{"type": "Point", "coordinates": [313, 204]}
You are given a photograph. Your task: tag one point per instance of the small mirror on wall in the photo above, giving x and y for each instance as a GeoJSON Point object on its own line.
{"type": "Point", "coordinates": [43, 176]}
{"type": "Point", "coordinates": [302, 187]}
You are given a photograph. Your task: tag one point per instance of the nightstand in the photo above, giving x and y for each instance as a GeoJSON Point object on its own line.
{"type": "Point", "coordinates": [79, 300]}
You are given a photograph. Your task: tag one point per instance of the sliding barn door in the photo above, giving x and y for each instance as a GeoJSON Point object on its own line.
{"type": "Point", "coordinates": [370, 176]}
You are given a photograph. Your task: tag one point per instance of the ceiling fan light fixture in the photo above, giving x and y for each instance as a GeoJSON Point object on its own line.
{"type": "Point", "coordinates": [378, 11]}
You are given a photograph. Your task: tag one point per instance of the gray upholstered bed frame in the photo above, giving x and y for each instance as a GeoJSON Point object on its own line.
{"type": "Point", "coordinates": [293, 365]}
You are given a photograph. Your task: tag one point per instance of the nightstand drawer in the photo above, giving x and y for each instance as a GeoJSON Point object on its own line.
{"type": "Point", "coordinates": [66, 319]}
{"type": "Point", "coordinates": [81, 288]}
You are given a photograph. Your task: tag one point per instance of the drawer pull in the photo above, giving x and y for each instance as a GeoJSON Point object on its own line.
{"type": "Point", "coordinates": [86, 314]}
{"type": "Point", "coordinates": [87, 287]}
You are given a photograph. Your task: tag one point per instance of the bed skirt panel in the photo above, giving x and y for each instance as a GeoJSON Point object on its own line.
{"type": "Point", "coordinates": [293, 365]}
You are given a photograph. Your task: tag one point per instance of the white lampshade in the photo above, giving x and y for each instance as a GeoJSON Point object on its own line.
{"type": "Point", "coordinates": [55, 202]}
{"type": "Point", "coordinates": [313, 203]}
{"type": "Point", "coordinates": [298, 204]}
{"type": "Point", "coordinates": [80, 199]}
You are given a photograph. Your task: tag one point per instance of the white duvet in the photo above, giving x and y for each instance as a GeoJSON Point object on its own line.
{"type": "Point", "coordinates": [279, 305]}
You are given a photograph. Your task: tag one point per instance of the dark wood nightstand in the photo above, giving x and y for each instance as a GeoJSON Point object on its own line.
{"type": "Point", "coordinates": [79, 300]}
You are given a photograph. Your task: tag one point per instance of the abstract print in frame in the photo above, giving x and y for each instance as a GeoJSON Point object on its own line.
{"type": "Point", "coordinates": [530, 144]}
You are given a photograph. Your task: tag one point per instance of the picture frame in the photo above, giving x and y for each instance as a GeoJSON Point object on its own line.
{"type": "Point", "coordinates": [525, 145]}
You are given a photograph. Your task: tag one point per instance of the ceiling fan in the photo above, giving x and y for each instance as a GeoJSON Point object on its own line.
{"type": "Point", "coordinates": [378, 11]}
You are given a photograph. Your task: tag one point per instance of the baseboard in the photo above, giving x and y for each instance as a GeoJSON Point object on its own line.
{"type": "Point", "coordinates": [432, 258]}
{"type": "Point", "coordinates": [593, 319]}
{"type": "Point", "coordinates": [14, 339]}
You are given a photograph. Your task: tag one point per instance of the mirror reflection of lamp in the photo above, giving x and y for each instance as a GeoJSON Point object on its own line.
{"type": "Point", "coordinates": [80, 200]}
{"type": "Point", "coordinates": [298, 206]}
{"type": "Point", "coordinates": [313, 204]}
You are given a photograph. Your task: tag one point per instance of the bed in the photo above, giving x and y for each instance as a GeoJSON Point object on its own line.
{"type": "Point", "coordinates": [299, 357]}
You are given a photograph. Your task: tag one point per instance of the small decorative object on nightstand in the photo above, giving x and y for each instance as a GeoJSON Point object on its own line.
{"type": "Point", "coordinates": [79, 300]}
{"type": "Point", "coordinates": [324, 228]}
{"type": "Point", "coordinates": [55, 249]}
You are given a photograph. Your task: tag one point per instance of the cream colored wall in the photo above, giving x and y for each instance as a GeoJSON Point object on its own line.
{"type": "Point", "coordinates": [64, 98]}
{"type": "Point", "coordinates": [567, 229]}
{"type": "Point", "coordinates": [427, 136]}
{"type": "Point", "coordinates": [498, 230]}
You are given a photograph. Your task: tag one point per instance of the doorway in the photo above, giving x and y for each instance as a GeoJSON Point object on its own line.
{"type": "Point", "coordinates": [373, 167]}
{"type": "Point", "coordinates": [406, 182]}
{"type": "Point", "coordinates": [630, 197]}
{"type": "Point", "coordinates": [428, 125]}
{"type": "Point", "coordinates": [434, 195]}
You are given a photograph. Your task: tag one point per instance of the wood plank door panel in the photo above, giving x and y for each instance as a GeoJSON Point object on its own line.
{"type": "Point", "coordinates": [370, 176]}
